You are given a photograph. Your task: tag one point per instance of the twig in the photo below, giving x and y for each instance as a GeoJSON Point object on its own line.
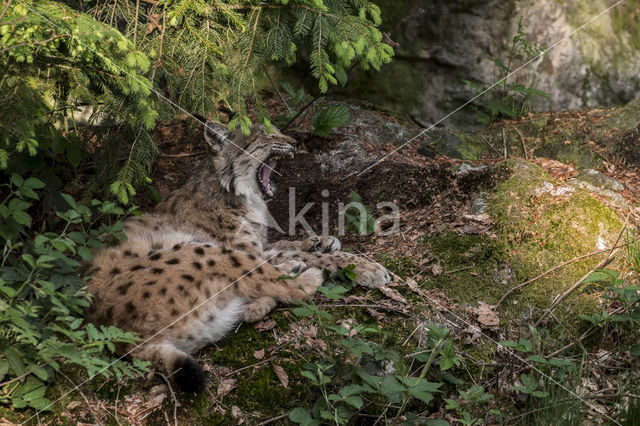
{"type": "Point", "coordinates": [524, 146]}
{"type": "Point", "coordinates": [184, 154]}
{"type": "Point", "coordinates": [15, 379]}
{"type": "Point", "coordinates": [504, 143]}
{"type": "Point", "coordinates": [490, 144]}
{"type": "Point", "coordinates": [555, 268]}
{"type": "Point", "coordinates": [276, 89]}
{"type": "Point", "coordinates": [577, 284]}
{"type": "Point", "coordinates": [95, 414]}
{"type": "Point", "coordinates": [173, 396]}
{"type": "Point", "coordinates": [464, 268]}
{"type": "Point", "coordinates": [250, 366]}
{"type": "Point", "coordinates": [273, 419]}
{"type": "Point", "coordinates": [6, 7]}
{"type": "Point", "coordinates": [35, 43]}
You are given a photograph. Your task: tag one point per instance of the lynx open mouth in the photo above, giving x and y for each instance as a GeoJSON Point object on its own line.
{"type": "Point", "coordinates": [264, 173]}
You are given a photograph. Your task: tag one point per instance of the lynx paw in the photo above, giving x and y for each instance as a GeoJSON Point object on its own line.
{"type": "Point", "coordinates": [310, 280]}
{"type": "Point", "coordinates": [372, 275]}
{"type": "Point", "coordinates": [258, 309]}
{"type": "Point", "coordinates": [321, 244]}
{"type": "Point", "coordinates": [292, 267]}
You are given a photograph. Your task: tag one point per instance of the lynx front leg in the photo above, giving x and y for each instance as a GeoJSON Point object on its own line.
{"type": "Point", "coordinates": [313, 244]}
{"type": "Point", "coordinates": [368, 273]}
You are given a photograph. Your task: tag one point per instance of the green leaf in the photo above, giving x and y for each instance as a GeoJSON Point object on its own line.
{"type": "Point", "coordinates": [329, 118]}
{"type": "Point", "coordinates": [15, 361]}
{"type": "Point", "coordinates": [21, 217]}
{"type": "Point", "coordinates": [69, 199]}
{"type": "Point", "coordinates": [302, 417]}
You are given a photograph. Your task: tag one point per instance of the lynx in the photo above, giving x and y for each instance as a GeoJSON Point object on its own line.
{"type": "Point", "coordinates": [199, 264]}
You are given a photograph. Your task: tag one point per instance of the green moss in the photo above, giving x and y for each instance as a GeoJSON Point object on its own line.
{"type": "Point", "coordinates": [472, 265]}
{"type": "Point", "coordinates": [402, 266]}
{"type": "Point", "coordinates": [540, 232]}
{"type": "Point", "coordinates": [457, 144]}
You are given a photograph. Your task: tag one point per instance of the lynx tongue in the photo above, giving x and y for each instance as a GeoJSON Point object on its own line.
{"type": "Point", "coordinates": [265, 177]}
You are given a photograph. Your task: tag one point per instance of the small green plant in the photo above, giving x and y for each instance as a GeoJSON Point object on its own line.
{"type": "Point", "coordinates": [509, 99]}
{"type": "Point", "coordinates": [323, 121]}
{"type": "Point", "coordinates": [358, 216]}
{"type": "Point", "coordinates": [42, 299]}
{"type": "Point", "coordinates": [625, 310]}
{"type": "Point", "coordinates": [359, 374]}
{"type": "Point", "coordinates": [633, 251]}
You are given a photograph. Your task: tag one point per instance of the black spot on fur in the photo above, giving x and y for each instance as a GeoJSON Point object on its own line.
{"type": "Point", "coordinates": [208, 245]}
{"type": "Point", "coordinates": [241, 246]}
{"type": "Point", "coordinates": [196, 265]}
{"type": "Point", "coordinates": [129, 307]}
{"type": "Point", "coordinates": [155, 256]}
{"type": "Point", "coordinates": [122, 289]}
{"type": "Point", "coordinates": [157, 271]}
{"type": "Point", "coordinates": [174, 313]}
{"type": "Point", "coordinates": [231, 227]}
{"type": "Point", "coordinates": [234, 261]}
{"type": "Point", "coordinates": [156, 228]}
{"type": "Point", "coordinates": [251, 256]}
{"type": "Point", "coordinates": [146, 295]}
{"type": "Point", "coordinates": [136, 268]}
{"type": "Point", "coordinates": [114, 272]}
{"type": "Point", "coordinates": [171, 301]}
{"type": "Point", "coordinates": [207, 293]}
{"type": "Point", "coordinates": [226, 251]}
{"type": "Point", "coordinates": [173, 261]}
{"type": "Point", "coordinates": [181, 287]}
{"type": "Point", "coordinates": [198, 284]}
{"type": "Point", "coordinates": [188, 375]}
{"type": "Point", "coordinates": [260, 270]}
{"type": "Point", "coordinates": [211, 318]}
{"type": "Point", "coordinates": [163, 291]}
{"type": "Point", "coordinates": [176, 247]}
{"type": "Point", "coordinates": [187, 277]}
{"type": "Point", "coordinates": [127, 253]}
{"type": "Point", "coordinates": [156, 246]}
{"type": "Point", "coordinates": [199, 251]}
{"type": "Point", "coordinates": [150, 283]}
{"type": "Point", "coordinates": [246, 273]}
{"type": "Point", "coordinates": [211, 262]}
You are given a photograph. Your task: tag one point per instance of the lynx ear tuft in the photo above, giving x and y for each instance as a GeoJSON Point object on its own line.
{"type": "Point", "coordinates": [216, 135]}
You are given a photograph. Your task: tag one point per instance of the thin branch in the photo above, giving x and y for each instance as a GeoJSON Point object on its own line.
{"type": "Point", "coordinates": [35, 43]}
{"type": "Point", "coordinates": [577, 284]}
{"type": "Point", "coordinates": [6, 7]}
{"type": "Point", "coordinates": [555, 268]}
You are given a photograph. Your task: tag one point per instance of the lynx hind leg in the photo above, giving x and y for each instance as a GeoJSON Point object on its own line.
{"type": "Point", "coordinates": [283, 290]}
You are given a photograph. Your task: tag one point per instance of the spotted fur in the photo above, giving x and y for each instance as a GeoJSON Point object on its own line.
{"type": "Point", "coordinates": [200, 263]}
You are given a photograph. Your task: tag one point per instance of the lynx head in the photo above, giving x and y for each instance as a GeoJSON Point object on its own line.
{"type": "Point", "coordinates": [245, 163]}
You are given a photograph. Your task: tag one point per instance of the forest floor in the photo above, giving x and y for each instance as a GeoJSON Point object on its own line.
{"type": "Point", "coordinates": [471, 229]}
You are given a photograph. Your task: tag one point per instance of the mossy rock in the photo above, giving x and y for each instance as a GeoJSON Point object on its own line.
{"type": "Point", "coordinates": [539, 225]}
{"type": "Point", "coordinates": [541, 229]}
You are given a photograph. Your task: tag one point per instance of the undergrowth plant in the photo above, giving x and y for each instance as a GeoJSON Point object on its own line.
{"type": "Point", "coordinates": [359, 377]}
{"type": "Point", "coordinates": [41, 296]}
{"type": "Point", "coordinates": [509, 99]}
{"type": "Point", "coordinates": [323, 121]}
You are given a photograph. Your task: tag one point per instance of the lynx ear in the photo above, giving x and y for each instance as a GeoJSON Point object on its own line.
{"type": "Point", "coordinates": [216, 135]}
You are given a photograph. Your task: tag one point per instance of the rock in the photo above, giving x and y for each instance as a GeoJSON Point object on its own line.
{"type": "Point", "coordinates": [466, 168]}
{"type": "Point", "coordinates": [347, 157]}
{"type": "Point", "coordinates": [599, 180]}
{"type": "Point", "coordinates": [368, 126]}
{"type": "Point", "coordinates": [479, 206]}
{"type": "Point", "coordinates": [443, 42]}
